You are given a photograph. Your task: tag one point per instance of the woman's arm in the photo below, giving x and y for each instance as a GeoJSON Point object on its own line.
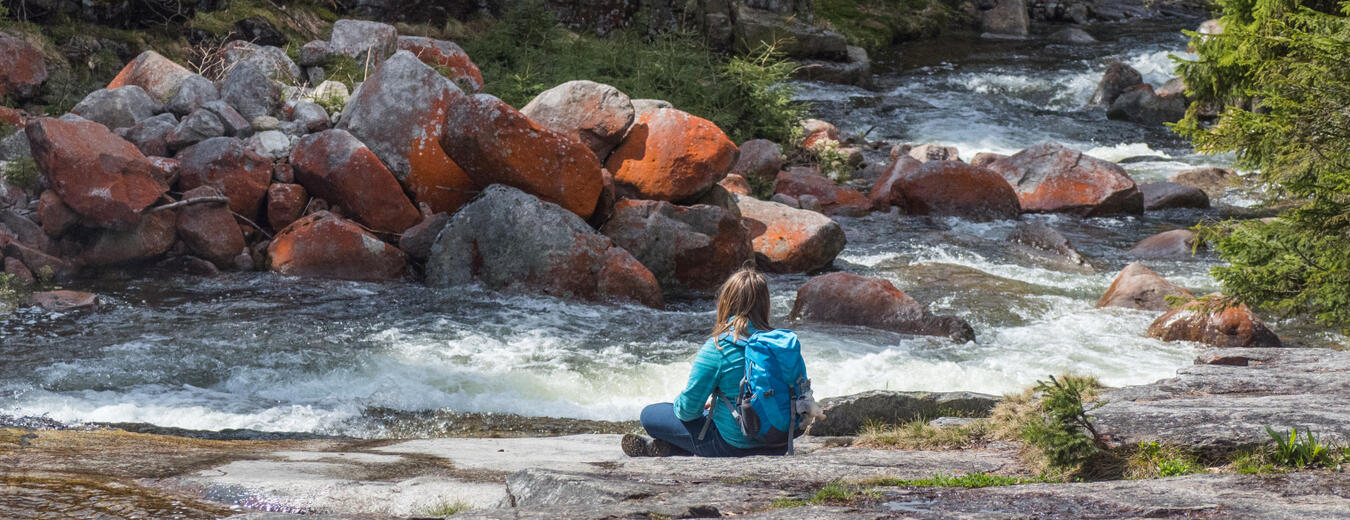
{"type": "Point", "coordinates": [702, 381]}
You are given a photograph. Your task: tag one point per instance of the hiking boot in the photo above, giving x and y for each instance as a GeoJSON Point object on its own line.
{"type": "Point", "coordinates": [659, 448]}
{"type": "Point", "coordinates": [634, 445]}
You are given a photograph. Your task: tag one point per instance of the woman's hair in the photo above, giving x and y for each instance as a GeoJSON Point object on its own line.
{"type": "Point", "coordinates": [743, 300]}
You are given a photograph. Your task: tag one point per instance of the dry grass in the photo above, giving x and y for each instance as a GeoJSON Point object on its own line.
{"type": "Point", "coordinates": [920, 435]}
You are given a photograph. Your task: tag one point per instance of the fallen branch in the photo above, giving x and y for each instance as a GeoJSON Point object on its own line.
{"type": "Point", "coordinates": [189, 202]}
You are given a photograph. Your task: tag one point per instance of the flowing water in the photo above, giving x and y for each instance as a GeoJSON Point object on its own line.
{"type": "Point", "coordinates": [262, 352]}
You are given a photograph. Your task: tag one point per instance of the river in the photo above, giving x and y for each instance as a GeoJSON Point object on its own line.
{"type": "Point", "coordinates": [262, 352]}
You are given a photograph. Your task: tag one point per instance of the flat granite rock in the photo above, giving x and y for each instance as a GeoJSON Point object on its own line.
{"type": "Point", "coordinates": [1227, 398]}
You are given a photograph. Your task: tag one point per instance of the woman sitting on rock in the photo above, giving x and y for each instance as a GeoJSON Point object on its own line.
{"type": "Point", "coordinates": [725, 410]}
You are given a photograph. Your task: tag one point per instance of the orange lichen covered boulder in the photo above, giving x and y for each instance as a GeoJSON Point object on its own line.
{"type": "Point", "coordinates": [834, 199]}
{"type": "Point", "coordinates": [209, 229]}
{"type": "Point", "coordinates": [495, 144]}
{"type": "Point", "coordinates": [323, 245]}
{"type": "Point", "coordinates": [22, 68]}
{"type": "Point", "coordinates": [1213, 321]}
{"type": "Point", "coordinates": [228, 165]}
{"type": "Point", "coordinates": [335, 166]}
{"type": "Point", "coordinates": [159, 76]}
{"type": "Point", "coordinates": [671, 155]}
{"type": "Point", "coordinates": [1050, 178]}
{"type": "Point", "coordinates": [100, 176]}
{"type": "Point", "coordinates": [446, 55]}
{"type": "Point", "coordinates": [790, 240]}
{"type": "Point", "coordinates": [285, 204]}
{"type": "Point", "coordinates": [948, 188]}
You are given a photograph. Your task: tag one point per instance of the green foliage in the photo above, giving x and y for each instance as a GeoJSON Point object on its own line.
{"type": "Point", "coordinates": [832, 162]}
{"type": "Point", "coordinates": [1279, 66]}
{"type": "Point", "coordinates": [22, 173]}
{"type": "Point", "coordinates": [1062, 432]}
{"type": "Point", "coordinates": [969, 480]}
{"type": "Point", "coordinates": [1153, 460]}
{"type": "Point", "coordinates": [346, 70]}
{"type": "Point", "coordinates": [10, 292]}
{"type": "Point", "coordinates": [1302, 452]}
{"type": "Point", "coordinates": [525, 52]}
{"type": "Point", "coordinates": [878, 24]}
{"type": "Point", "coordinates": [1254, 462]}
{"type": "Point", "coordinates": [447, 509]}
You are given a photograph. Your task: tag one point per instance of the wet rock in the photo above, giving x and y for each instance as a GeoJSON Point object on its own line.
{"type": "Point", "coordinates": [671, 155]}
{"type": "Point", "coordinates": [847, 415]}
{"type": "Point", "coordinates": [934, 152]}
{"type": "Point", "coordinates": [495, 144]}
{"type": "Point", "coordinates": [117, 108]}
{"type": "Point", "coordinates": [789, 240]}
{"type": "Point", "coordinates": [1007, 18]}
{"type": "Point", "coordinates": [852, 299]}
{"type": "Point", "coordinates": [55, 215]}
{"type": "Point", "coordinates": [1170, 195]}
{"type": "Point", "coordinates": [1118, 78]}
{"type": "Point", "coordinates": [593, 113]}
{"type": "Point", "coordinates": [1050, 178]}
{"type": "Point", "coordinates": [99, 175]}
{"type": "Point", "coordinates": [357, 37]}
{"type": "Point", "coordinates": [22, 68]}
{"type": "Point", "coordinates": [642, 106]}
{"type": "Point", "coordinates": [62, 301]}
{"type": "Point", "coordinates": [511, 241]}
{"type": "Point", "coordinates": [334, 165]}
{"type": "Point", "coordinates": [1143, 106]}
{"type": "Point", "coordinates": [151, 237]}
{"type": "Point", "coordinates": [198, 126]}
{"type": "Point", "coordinates": [191, 265]}
{"type": "Point", "coordinates": [20, 275]}
{"type": "Point", "coordinates": [1213, 321]}
{"type": "Point", "coordinates": [323, 245]}
{"type": "Point", "coordinates": [816, 133]}
{"type": "Point", "coordinates": [1173, 87]}
{"type": "Point", "coordinates": [759, 158]}
{"type": "Point", "coordinates": [312, 117]}
{"type": "Point", "coordinates": [833, 199]}
{"type": "Point", "coordinates": [209, 229]}
{"type": "Point", "coordinates": [250, 91]}
{"type": "Point", "coordinates": [792, 36]}
{"type": "Point", "coordinates": [884, 188]}
{"type": "Point", "coordinates": [160, 77]}
{"type": "Point", "coordinates": [272, 61]}
{"type": "Point", "coordinates": [953, 188]}
{"type": "Point", "coordinates": [1040, 243]}
{"type": "Point", "coordinates": [448, 57]}
{"type": "Point", "coordinates": [1174, 244]}
{"type": "Point", "coordinates": [1213, 181]}
{"type": "Point", "coordinates": [856, 70]}
{"type": "Point", "coordinates": [694, 247]}
{"type": "Point", "coordinates": [285, 204]}
{"type": "Point", "coordinates": [1073, 36]}
{"type": "Point", "coordinates": [42, 265]}
{"type": "Point", "coordinates": [226, 164]}
{"type": "Point", "coordinates": [152, 134]}
{"type": "Point", "coordinates": [417, 240]}
{"type": "Point", "coordinates": [1138, 287]}
{"type": "Point", "coordinates": [985, 158]}
{"type": "Point", "coordinates": [192, 93]}
{"type": "Point", "coordinates": [735, 185]}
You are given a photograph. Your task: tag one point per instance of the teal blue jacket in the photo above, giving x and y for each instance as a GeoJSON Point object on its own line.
{"type": "Point", "coordinates": [719, 364]}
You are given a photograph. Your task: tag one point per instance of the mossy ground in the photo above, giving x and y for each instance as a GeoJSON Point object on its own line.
{"type": "Point", "coordinates": [878, 24]}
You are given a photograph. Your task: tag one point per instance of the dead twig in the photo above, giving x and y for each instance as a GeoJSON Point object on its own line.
{"type": "Point", "coordinates": [189, 202]}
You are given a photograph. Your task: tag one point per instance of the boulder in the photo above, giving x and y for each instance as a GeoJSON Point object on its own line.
{"type": "Point", "coordinates": [22, 228]}
{"type": "Point", "coordinates": [1040, 243]}
{"type": "Point", "coordinates": [953, 188]}
{"type": "Point", "coordinates": [22, 68]}
{"type": "Point", "coordinates": [14, 117]}
{"type": "Point", "coordinates": [1006, 18]}
{"type": "Point", "coordinates": [40, 264]}
{"type": "Point", "coordinates": [693, 247]}
{"type": "Point", "coordinates": [759, 158]}
{"type": "Point", "coordinates": [116, 108]}
{"type": "Point", "coordinates": [1170, 195]}
{"type": "Point", "coordinates": [356, 37]}
{"type": "Point", "coordinates": [20, 275]}
{"type": "Point", "coordinates": [511, 241]}
{"type": "Point", "coordinates": [849, 414]}
{"type": "Point", "coordinates": [447, 57]}
{"type": "Point", "coordinates": [324, 245]}
{"type": "Point", "coordinates": [642, 106]}
{"type": "Point", "coordinates": [400, 112]}
{"type": "Point", "coordinates": [596, 114]}
{"type": "Point", "coordinates": [934, 152]}
{"type": "Point", "coordinates": [794, 37]}
{"type": "Point", "coordinates": [416, 241]}
{"type": "Point", "coordinates": [671, 155]}
{"type": "Point", "coordinates": [209, 229]}
{"type": "Point", "coordinates": [310, 116]}
{"type": "Point", "coordinates": [495, 144]}
{"type": "Point", "coordinates": [285, 204]}
{"type": "Point", "coordinates": [856, 70]}
{"type": "Point", "coordinates": [226, 164]}
{"type": "Point", "coordinates": [1213, 181]}
{"type": "Point", "coordinates": [1138, 287]}
{"type": "Point", "coordinates": [1117, 79]}
{"type": "Point", "coordinates": [62, 301]}
{"type": "Point", "coordinates": [1072, 36]}
{"type": "Point", "coordinates": [798, 182]}
{"type": "Point", "coordinates": [786, 200]}
{"type": "Point", "coordinates": [102, 177]}
{"type": "Point", "coordinates": [986, 158]}
{"type": "Point", "coordinates": [736, 185]}
{"type": "Point", "coordinates": [160, 77]}
{"type": "Point", "coordinates": [1050, 178]}
{"type": "Point", "coordinates": [1145, 107]}
{"type": "Point", "coordinates": [1174, 245]}
{"type": "Point", "coordinates": [272, 61]}
{"type": "Point", "coordinates": [198, 126]}
{"type": "Point", "coordinates": [151, 237]}
{"type": "Point", "coordinates": [1173, 87]}
{"type": "Point", "coordinates": [789, 240]}
{"type": "Point", "coordinates": [882, 190]}
{"type": "Point", "coordinates": [272, 144]}
{"type": "Point", "coordinates": [335, 166]}
{"type": "Point", "coordinates": [236, 125]}
{"type": "Point", "coordinates": [816, 133]}
{"type": "Point", "coordinates": [852, 299]}
{"type": "Point", "coordinates": [192, 93]}
{"type": "Point", "coordinates": [56, 217]}
{"type": "Point", "coordinates": [1214, 321]}
{"type": "Point", "coordinates": [251, 91]}
{"type": "Point", "coordinates": [151, 135]}
{"type": "Point", "coordinates": [164, 169]}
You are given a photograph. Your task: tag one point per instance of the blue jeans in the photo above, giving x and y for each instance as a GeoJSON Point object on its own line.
{"type": "Point", "coordinates": [660, 422]}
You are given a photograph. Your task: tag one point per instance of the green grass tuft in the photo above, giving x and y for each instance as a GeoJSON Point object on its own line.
{"type": "Point", "coordinates": [969, 480]}
{"type": "Point", "coordinates": [1153, 460]}
{"type": "Point", "coordinates": [447, 509]}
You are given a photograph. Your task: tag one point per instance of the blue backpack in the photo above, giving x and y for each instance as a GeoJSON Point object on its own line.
{"type": "Point", "coordinates": [774, 396]}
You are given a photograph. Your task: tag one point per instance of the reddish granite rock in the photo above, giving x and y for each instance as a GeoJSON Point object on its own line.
{"type": "Point", "coordinates": [416, 241]}
{"type": "Point", "coordinates": [99, 175]}
{"type": "Point", "coordinates": [1138, 287]}
{"type": "Point", "coordinates": [334, 165]}
{"type": "Point", "coordinates": [323, 245]}
{"type": "Point", "coordinates": [952, 188]}
{"type": "Point", "coordinates": [593, 113]}
{"type": "Point", "coordinates": [495, 144]}
{"type": "Point", "coordinates": [22, 68]}
{"type": "Point", "coordinates": [20, 273]}
{"type": "Point", "coordinates": [41, 264]}
{"type": "Point", "coordinates": [13, 117]}
{"type": "Point", "coordinates": [209, 229]}
{"type": "Point", "coordinates": [1170, 195]}
{"type": "Point", "coordinates": [695, 247]}
{"type": "Point", "coordinates": [1050, 178]}
{"type": "Point", "coordinates": [164, 169]}
{"type": "Point", "coordinates": [228, 165]}
{"type": "Point", "coordinates": [159, 76]}
{"type": "Point", "coordinates": [671, 155]}
{"type": "Point", "coordinates": [853, 299]}
{"type": "Point", "coordinates": [151, 237]}
{"type": "Point", "coordinates": [56, 216]}
{"type": "Point", "coordinates": [448, 57]}
{"type": "Point", "coordinates": [1174, 244]}
{"type": "Point", "coordinates": [736, 185]}
{"type": "Point", "coordinates": [834, 199]}
{"type": "Point", "coordinates": [62, 301]}
{"type": "Point", "coordinates": [883, 189]}
{"type": "Point", "coordinates": [816, 133]}
{"type": "Point", "coordinates": [285, 204]}
{"type": "Point", "coordinates": [1216, 322]}
{"type": "Point", "coordinates": [760, 158]}
{"type": "Point", "coordinates": [790, 240]}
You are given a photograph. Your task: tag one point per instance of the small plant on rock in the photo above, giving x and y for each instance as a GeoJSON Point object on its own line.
{"type": "Point", "coordinates": [833, 163]}
{"type": "Point", "coordinates": [1154, 460]}
{"type": "Point", "coordinates": [1302, 452]}
{"type": "Point", "coordinates": [448, 509]}
{"type": "Point", "coordinates": [22, 173]}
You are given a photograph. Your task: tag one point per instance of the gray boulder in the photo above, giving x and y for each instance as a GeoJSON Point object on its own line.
{"type": "Point", "coordinates": [271, 60]}
{"type": "Point", "coordinates": [151, 135]}
{"type": "Point", "coordinates": [596, 114]}
{"type": "Point", "coordinates": [856, 70]}
{"type": "Point", "coordinates": [200, 125]}
{"type": "Point", "coordinates": [403, 103]}
{"type": "Point", "coordinates": [1143, 106]}
{"type": "Point", "coordinates": [1170, 195]}
{"type": "Point", "coordinates": [117, 108]}
{"type": "Point", "coordinates": [1008, 18]}
{"type": "Point", "coordinates": [355, 37]}
{"type": "Point", "coordinates": [1044, 246]}
{"type": "Point", "coordinates": [695, 247]}
{"type": "Point", "coordinates": [192, 93]}
{"type": "Point", "coordinates": [1072, 36]}
{"type": "Point", "coordinates": [795, 37]}
{"type": "Point", "coordinates": [15, 147]}
{"type": "Point", "coordinates": [250, 90]}
{"type": "Point", "coordinates": [1118, 78]}
{"type": "Point", "coordinates": [311, 117]}
{"type": "Point", "coordinates": [234, 123]}
{"type": "Point", "coordinates": [271, 144]}
{"type": "Point", "coordinates": [848, 414]}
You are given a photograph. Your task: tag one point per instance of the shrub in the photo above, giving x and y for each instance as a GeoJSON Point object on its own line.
{"type": "Point", "coordinates": [22, 172]}
{"type": "Point", "coordinates": [832, 162]}
{"type": "Point", "coordinates": [1064, 434]}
